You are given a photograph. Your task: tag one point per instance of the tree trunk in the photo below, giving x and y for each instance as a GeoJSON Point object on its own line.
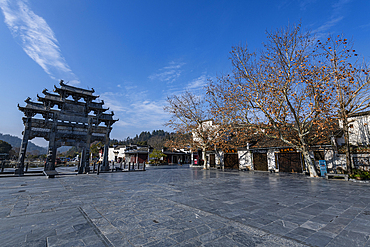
{"type": "Point", "coordinates": [204, 158]}
{"type": "Point", "coordinates": [219, 159]}
{"type": "Point", "coordinates": [348, 150]}
{"type": "Point", "coordinates": [309, 163]}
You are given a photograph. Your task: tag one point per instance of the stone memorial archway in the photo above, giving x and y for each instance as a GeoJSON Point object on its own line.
{"type": "Point", "coordinates": [72, 123]}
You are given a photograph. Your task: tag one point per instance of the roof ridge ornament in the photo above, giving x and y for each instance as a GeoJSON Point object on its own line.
{"type": "Point", "coordinates": [62, 84]}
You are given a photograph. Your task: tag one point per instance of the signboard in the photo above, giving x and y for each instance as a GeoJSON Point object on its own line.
{"type": "Point", "coordinates": [286, 150]}
{"type": "Point", "coordinates": [323, 170]}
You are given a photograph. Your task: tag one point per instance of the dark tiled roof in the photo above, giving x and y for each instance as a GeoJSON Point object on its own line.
{"type": "Point", "coordinates": [267, 142]}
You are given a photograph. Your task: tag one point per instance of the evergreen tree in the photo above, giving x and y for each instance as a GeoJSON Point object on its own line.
{"type": "Point", "coordinates": [5, 147]}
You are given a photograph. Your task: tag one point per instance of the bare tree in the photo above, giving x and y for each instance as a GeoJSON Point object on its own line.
{"type": "Point", "coordinates": [190, 115]}
{"type": "Point", "coordinates": [280, 92]}
{"type": "Point", "coordinates": [350, 82]}
{"type": "Point", "coordinates": [179, 141]}
{"type": "Point", "coordinates": [232, 133]}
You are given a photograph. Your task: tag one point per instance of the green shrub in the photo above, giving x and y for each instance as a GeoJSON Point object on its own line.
{"type": "Point", "coordinates": [360, 174]}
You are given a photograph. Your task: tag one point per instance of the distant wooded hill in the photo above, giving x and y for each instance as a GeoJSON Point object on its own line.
{"type": "Point", "coordinates": [156, 139]}
{"type": "Point", "coordinates": [16, 143]}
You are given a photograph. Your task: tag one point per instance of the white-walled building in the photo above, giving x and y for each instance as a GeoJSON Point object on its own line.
{"type": "Point", "coordinates": [286, 159]}
{"type": "Point", "coordinates": [140, 154]}
{"type": "Point", "coordinates": [267, 154]}
{"type": "Point", "coordinates": [116, 153]}
{"type": "Point", "coordinates": [359, 129]}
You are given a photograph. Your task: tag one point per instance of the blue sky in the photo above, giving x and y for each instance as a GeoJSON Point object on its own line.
{"type": "Point", "coordinates": [136, 53]}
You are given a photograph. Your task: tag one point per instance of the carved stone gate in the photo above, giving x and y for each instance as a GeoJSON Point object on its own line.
{"type": "Point", "coordinates": [66, 122]}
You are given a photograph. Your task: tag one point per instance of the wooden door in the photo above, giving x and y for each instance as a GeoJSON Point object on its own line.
{"type": "Point", "coordinates": [290, 162]}
{"type": "Point", "coordinates": [212, 160]}
{"type": "Point", "coordinates": [231, 161]}
{"type": "Point", "coordinates": [260, 161]}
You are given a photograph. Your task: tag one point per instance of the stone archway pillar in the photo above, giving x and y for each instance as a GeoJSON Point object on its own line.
{"type": "Point", "coordinates": [52, 150]}
{"type": "Point", "coordinates": [23, 150]}
{"type": "Point", "coordinates": [105, 165]}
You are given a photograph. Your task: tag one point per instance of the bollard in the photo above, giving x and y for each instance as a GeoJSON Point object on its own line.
{"type": "Point", "coordinates": [2, 166]}
{"type": "Point", "coordinates": [144, 167]}
{"type": "Point", "coordinates": [98, 170]}
{"type": "Point", "coordinates": [26, 166]}
{"type": "Point", "coordinates": [94, 167]}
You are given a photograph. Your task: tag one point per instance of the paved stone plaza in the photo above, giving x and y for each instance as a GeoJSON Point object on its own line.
{"type": "Point", "coordinates": [182, 206]}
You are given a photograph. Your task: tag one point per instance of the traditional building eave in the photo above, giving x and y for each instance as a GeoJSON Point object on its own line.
{"type": "Point", "coordinates": [77, 93]}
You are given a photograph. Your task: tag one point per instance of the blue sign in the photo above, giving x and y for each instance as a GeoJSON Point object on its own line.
{"type": "Point", "coordinates": [323, 170]}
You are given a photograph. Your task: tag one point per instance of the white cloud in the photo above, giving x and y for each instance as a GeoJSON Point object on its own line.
{"type": "Point", "coordinates": [198, 83]}
{"type": "Point", "coordinates": [140, 116]}
{"type": "Point", "coordinates": [130, 87]}
{"type": "Point", "coordinates": [304, 3]}
{"type": "Point", "coordinates": [37, 39]}
{"type": "Point", "coordinates": [327, 25]}
{"type": "Point", "coordinates": [196, 86]}
{"type": "Point", "coordinates": [365, 26]}
{"type": "Point", "coordinates": [112, 100]}
{"type": "Point", "coordinates": [135, 110]}
{"type": "Point", "coordinates": [336, 17]}
{"type": "Point", "coordinates": [338, 6]}
{"type": "Point", "coordinates": [168, 73]}
{"type": "Point", "coordinates": [148, 113]}
{"type": "Point", "coordinates": [134, 115]}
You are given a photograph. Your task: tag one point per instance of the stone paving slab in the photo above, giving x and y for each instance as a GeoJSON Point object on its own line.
{"type": "Point", "coordinates": [182, 206]}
